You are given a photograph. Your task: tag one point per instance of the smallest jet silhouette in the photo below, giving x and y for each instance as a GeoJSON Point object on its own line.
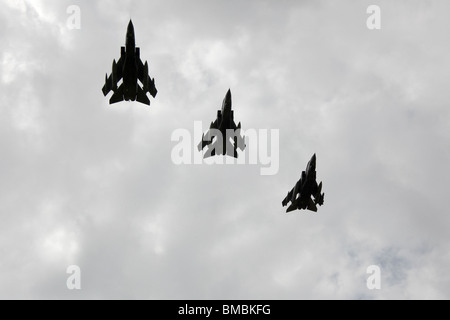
{"type": "Point", "coordinates": [221, 131]}
{"type": "Point", "coordinates": [304, 189]}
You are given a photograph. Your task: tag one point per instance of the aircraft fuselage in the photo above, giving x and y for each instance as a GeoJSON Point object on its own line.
{"type": "Point", "coordinates": [226, 114]}
{"type": "Point", "coordinates": [129, 70]}
{"type": "Point", "coordinates": [305, 188]}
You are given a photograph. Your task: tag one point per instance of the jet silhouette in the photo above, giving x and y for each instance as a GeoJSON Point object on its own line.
{"type": "Point", "coordinates": [224, 122]}
{"type": "Point", "coordinates": [304, 189]}
{"type": "Point", "coordinates": [129, 68]}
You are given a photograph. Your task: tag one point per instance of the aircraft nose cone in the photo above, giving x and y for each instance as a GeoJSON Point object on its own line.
{"type": "Point", "coordinates": [228, 96]}
{"type": "Point", "coordinates": [226, 104]}
{"type": "Point", "coordinates": [130, 26]}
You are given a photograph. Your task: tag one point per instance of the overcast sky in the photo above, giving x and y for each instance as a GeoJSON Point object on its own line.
{"type": "Point", "coordinates": [89, 184]}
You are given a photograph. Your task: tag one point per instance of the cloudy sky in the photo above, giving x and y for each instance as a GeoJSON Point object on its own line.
{"type": "Point", "coordinates": [89, 184]}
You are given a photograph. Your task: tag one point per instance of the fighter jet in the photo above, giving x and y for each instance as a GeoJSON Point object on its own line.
{"type": "Point", "coordinates": [224, 123]}
{"type": "Point", "coordinates": [304, 189]}
{"type": "Point", "coordinates": [129, 68]}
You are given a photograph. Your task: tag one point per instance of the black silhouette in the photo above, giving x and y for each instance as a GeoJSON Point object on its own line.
{"type": "Point", "coordinates": [228, 129]}
{"type": "Point", "coordinates": [304, 189]}
{"type": "Point", "coordinates": [129, 68]}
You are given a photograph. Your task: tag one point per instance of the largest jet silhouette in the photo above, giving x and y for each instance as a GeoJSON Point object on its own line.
{"type": "Point", "coordinates": [218, 141]}
{"type": "Point", "coordinates": [304, 189]}
{"type": "Point", "coordinates": [130, 69]}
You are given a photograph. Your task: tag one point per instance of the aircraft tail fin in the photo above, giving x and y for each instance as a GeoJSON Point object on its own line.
{"type": "Point", "coordinates": [312, 206]}
{"type": "Point", "coordinates": [320, 196]}
{"type": "Point", "coordinates": [291, 208]}
{"type": "Point", "coordinates": [117, 96]}
{"type": "Point", "coordinates": [319, 201]}
{"type": "Point", "coordinates": [210, 152]}
{"type": "Point", "coordinates": [142, 97]}
{"type": "Point", "coordinates": [230, 149]}
{"type": "Point", "coordinates": [203, 143]}
{"type": "Point", "coordinates": [240, 140]}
